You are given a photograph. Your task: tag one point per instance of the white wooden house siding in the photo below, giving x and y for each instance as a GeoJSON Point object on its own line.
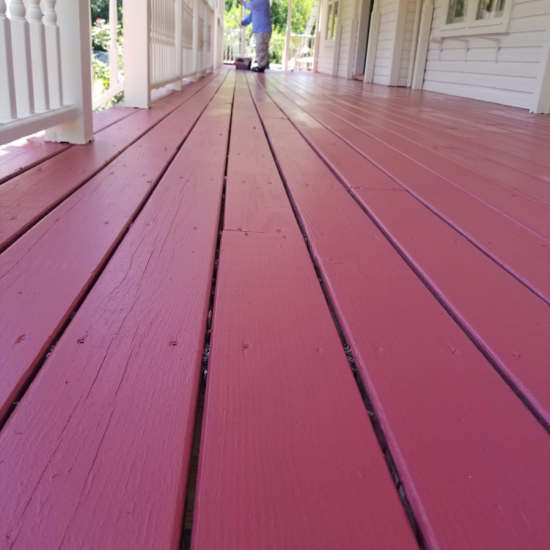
{"type": "Point", "coordinates": [502, 72]}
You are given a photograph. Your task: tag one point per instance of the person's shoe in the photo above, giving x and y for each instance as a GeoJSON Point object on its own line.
{"type": "Point", "coordinates": [258, 69]}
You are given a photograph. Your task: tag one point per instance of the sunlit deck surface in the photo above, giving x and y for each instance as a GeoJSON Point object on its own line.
{"type": "Point", "coordinates": [280, 311]}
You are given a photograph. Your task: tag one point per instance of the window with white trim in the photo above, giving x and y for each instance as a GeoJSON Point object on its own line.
{"type": "Point", "coordinates": [332, 19]}
{"type": "Point", "coordinates": [471, 17]}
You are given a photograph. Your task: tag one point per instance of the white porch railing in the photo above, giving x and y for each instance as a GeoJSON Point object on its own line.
{"type": "Point", "coordinates": [45, 76]}
{"type": "Point", "coordinates": [45, 59]}
{"type": "Point", "coordinates": [301, 50]}
{"type": "Point", "coordinates": [232, 45]}
{"type": "Point", "coordinates": [167, 41]}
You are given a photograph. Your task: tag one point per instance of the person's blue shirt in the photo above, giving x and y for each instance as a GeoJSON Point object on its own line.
{"type": "Point", "coordinates": [259, 16]}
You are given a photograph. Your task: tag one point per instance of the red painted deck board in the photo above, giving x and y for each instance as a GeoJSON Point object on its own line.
{"type": "Point", "coordinates": [509, 321]}
{"type": "Point", "coordinates": [96, 455]}
{"type": "Point", "coordinates": [489, 116]}
{"type": "Point", "coordinates": [27, 197]}
{"type": "Point", "coordinates": [26, 153]}
{"type": "Point", "coordinates": [522, 252]}
{"type": "Point", "coordinates": [471, 122]}
{"type": "Point", "coordinates": [529, 213]}
{"type": "Point", "coordinates": [465, 446]}
{"type": "Point", "coordinates": [411, 107]}
{"type": "Point", "coordinates": [45, 273]}
{"type": "Point", "coordinates": [447, 149]}
{"type": "Point", "coordinates": [255, 198]}
{"type": "Point", "coordinates": [289, 458]}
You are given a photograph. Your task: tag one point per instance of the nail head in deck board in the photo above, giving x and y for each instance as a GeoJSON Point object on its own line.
{"type": "Point", "coordinates": [526, 211]}
{"type": "Point", "coordinates": [101, 461]}
{"type": "Point", "coordinates": [24, 199]}
{"type": "Point", "coordinates": [288, 458]}
{"type": "Point", "coordinates": [47, 271]}
{"type": "Point", "coordinates": [510, 321]}
{"type": "Point", "coordinates": [522, 252]}
{"type": "Point", "coordinates": [473, 460]}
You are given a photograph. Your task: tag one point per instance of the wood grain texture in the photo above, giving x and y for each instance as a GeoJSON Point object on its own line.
{"type": "Point", "coordinates": [256, 199]}
{"type": "Point", "coordinates": [288, 458]}
{"type": "Point", "coordinates": [104, 433]}
{"type": "Point", "coordinates": [472, 458]}
{"type": "Point", "coordinates": [505, 188]}
{"type": "Point", "coordinates": [26, 198]}
{"type": "Point", "coordinates": [508, 321]}
{"type": "Point", "coordinates": [46, 272]}
{"type": "Point", "coordinates": [523, 253]}
{"type": "Point", "coordinates": [28, 152]}
{"type": "Point", "coordinates": [452, 120]}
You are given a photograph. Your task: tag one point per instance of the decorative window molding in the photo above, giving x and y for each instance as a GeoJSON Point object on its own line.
{"type": "Point", "coordinates": [332, 19]}
{"type": "Point", "coordinates": [475, 17]}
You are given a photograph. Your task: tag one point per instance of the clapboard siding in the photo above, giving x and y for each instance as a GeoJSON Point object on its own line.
{"type": "Point", "coordinates": [479, 69]}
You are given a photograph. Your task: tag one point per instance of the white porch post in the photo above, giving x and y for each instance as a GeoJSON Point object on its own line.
{"type": "Point", "coordinates": [373, 42]}
{"type": "Point", "coordinates": [137, 56]}
{"type": "Point", "coordinates": [541, 95]}
{"type": "Point", "coordinates": [243, 33]}
{"type": "Point", "coordinates": [113, 49]}
{"type": "Point", "coordinates": [214, 31]}
{"type": "Point", "coordinates": [397, 46]}
{"type": "Point", "coordinates": [287, 36]}
{"type": "Point", "coordinates": [423, 43]}
{"type": "Point", "coordinates": [74, 21]}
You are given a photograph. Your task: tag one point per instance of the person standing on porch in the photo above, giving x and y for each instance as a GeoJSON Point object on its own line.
{"type": "Point", "coordinates": [260, 17]}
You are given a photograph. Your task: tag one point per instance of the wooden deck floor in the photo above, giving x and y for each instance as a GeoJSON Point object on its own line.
{"type": "Point", "coordinates": [279, 311]}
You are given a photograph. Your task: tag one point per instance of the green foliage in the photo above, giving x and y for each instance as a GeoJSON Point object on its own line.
{"type": "Point", "coordinates": [100, 9]}
{"type": "Point", "coordinates": [301, 10]}
{"type": "Point", "coordinates": [276, 47]}
{"type": "Point", "coordinates": [101, 40]}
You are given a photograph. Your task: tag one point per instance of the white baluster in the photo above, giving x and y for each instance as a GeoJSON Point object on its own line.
{"type": "Point", "coordinates": [8, 108]}
{"type": "Point", "coordinates": [38, 55]}
{"type": "Point", "coordinates": [22, 69]}
{"type": "Point", "coordinates": [53, 54]}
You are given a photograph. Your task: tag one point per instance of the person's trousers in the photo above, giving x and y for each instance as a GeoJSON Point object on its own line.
{"type": "Point", "coordinates": [262, 47]}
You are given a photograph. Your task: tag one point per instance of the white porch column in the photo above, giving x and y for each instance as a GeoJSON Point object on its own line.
{"type": "Point", "coordinates": [287, 37]}
{"type": "Point", "coordinates": [75, 25]}
{"type": "Point", "coordinates": [373, 42]}
{"type": "Point", "coordinates": [397, 46]}
{"type": "Point", "coordinates": [541, 95]}
{"type": "Point", "coordinates": [423, 43]}
{"type": "Point", "coordinates": [137, 56]}
{"type": "Point", "coordinates": [113, 49]}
